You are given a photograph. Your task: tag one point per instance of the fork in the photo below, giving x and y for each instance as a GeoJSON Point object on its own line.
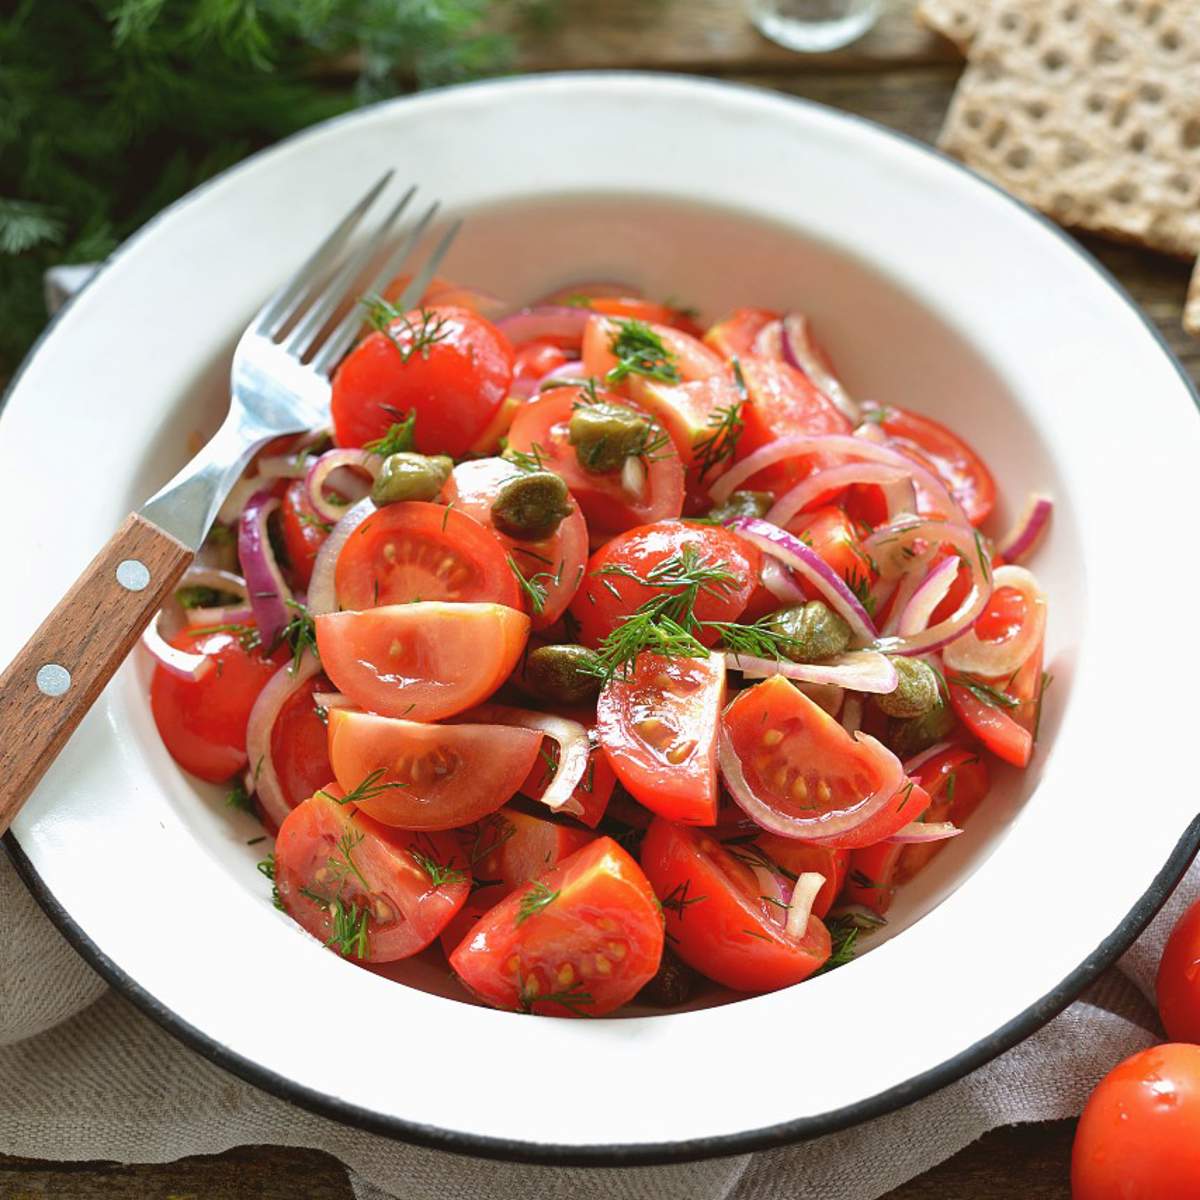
{"type": "Point", "coordinates": [279, 384]}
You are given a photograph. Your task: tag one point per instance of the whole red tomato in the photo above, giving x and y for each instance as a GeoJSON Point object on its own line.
{"type": "Point", "coordinates": [1178, 986]}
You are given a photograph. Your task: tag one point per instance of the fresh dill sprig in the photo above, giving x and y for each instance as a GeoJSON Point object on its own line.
{"type": "Point", "coordinates": [237, 797]}
{"type": "Point", "coordinates": [984, 692]}
{"type": "Point", "coordinates": [535, 900]}
{"type": "Point", "coordinates": [300, 633]}
{"type": "Point", "coordinates": [758, 640]}
{"type": "Point", "coordinates": [533, 459]}
{"type": "Point", "coordinates": [266, 866]}
{"type": "Point", "coordinates": [341, 865]}
{"type": "Point", "coordinates": [195, 596]}
{"type": "Point", "coordinates": [439, 873]}
{"type": "Point", "coordinates": [423, 334]}
{"type": "Point", "coordinates": [503, 829]}
{"type": "Point", "coordinates": [844, 932]}
{"type": "Point", "coordinates": [536, 586]}
{"type": "Point", "coordinates": [677, 899]}
{"type": "Point", "coordinates": [349, 933]}
{"type": "Point", "coordinates": [1046, 680]}
{"type": "Point", "coordinates": [248, 636]}
{"type": "Point", "coordinates": [984, 562]}
{"type": "Point", "coordinates": [367, 790]}
{"type": "Point", "coordinates": [307, 518]}
{"type": "Point", "coordinates": [640, 351]}
{"type": "Point", "coordinates": [572, 999]}
{"type": "Point", "coordinates": [399, 438]}
{"type": "Point", "coordinates": [721, 444]}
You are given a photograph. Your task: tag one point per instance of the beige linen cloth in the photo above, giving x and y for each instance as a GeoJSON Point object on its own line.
{"type": "Point", "coordinates": [84, 1075]}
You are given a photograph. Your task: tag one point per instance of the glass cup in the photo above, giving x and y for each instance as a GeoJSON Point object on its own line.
{"type": "Point", "coordinates": [813, 26]}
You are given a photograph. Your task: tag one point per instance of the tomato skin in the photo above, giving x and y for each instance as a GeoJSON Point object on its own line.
{"type": "Point", "coordinates": [300, 743]}
{"type": "Point", "coordinates": [454, 385]}
{"type": "Point", "coordinates": [543, 423]}
{"type": "Point", "coordinates": [310, 856]}
{"type": "Point", "coordinates": [421, 661]}
{"type": "Point", "coordinates": [830, 532]}
{"type": "Point", "coordinates": [595, 789]}
{"type": "Point", "coordinates": [420, 551]}
{"type": "Point", "coordinates": [1139, 1135]}
{"type": "Point", "coordinates": [870, 877]}
{"type": "Point", "coordinates": [436, 776]}
{"type": "Point", "coordinates": [716, 921]}
{"type": "Point", "coordinates": [480, 902]}
{"type": "Point", "coordinates": [658, 727]}
{"type": "Point", "coordinates": [949, 801]}
{"type": "Point", "coordinates": [1003, 736]}
{"type": "Point", "coordinates": [203, 723]}
{"type": "Point", "coordinates": [799, 857]}
{"type": "Point", "coordinates": [513, 847]}
{"type": "Point", "coordinates": [535, 360]}
{"type": "Point", "coordinates": [600, 937]}
{"type": "Point", "coordinates": [644, 310]}
{"type": "Point", "coordinates": [304, 531]}
{"type": "Point", "coordinates": [1178, 983]}
{"type": "Point", "coordinates": [606, 597]}
{"type": "Point", "coordinates": [691, 358]}
{"type": "Point", "coordinates": [734, 336]}
{"type": "Point", "coordinates": [557, 561]}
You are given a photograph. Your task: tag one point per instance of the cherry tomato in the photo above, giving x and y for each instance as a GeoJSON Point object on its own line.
{"type": "Point", "coordinates": [691, 358]}
{"type": "Point", "coordinates": [554, 565]}
{"type": "Point", "coordinates": [580, 941]}
{"type": "Point", "coordinates": [368, 891]}
{"type": "Point", "coordinates": [481, 901]}
{"type": "Point", "coordinates": [992, 725]}
{"type": "Point", "coordinates": [594, 790]}
{"type": "Point", "coordinates": [658, 727]}
{"type": "Point", "coordinates": [419, 776]}
{"type": "Point", "coordinates": [957, 781]}
{"type": "Point", "coordinates": [734, 336]}
{"type": "Point", "coordinates": [510, 847]}
{"type": "Point", "coordinates": [716, 916]}
{"type": "Point", "coordinates": [304, 531]}
{"type": "Point", "coordinates": [644, 310]}
{"type": "Point", "coordinates": [418, 551]}
{"type": "Point", "coordinates": [871, 876]}
{"type": "Point", "coordinates": [533, 361]}
{"type": "Point", "coordinates": [449, 366]}
{"type": "Point", "coordinates": [1139, 1136]}
{"type": "Point", "coordinates": [783, 403]}
{"type": "Point", "coordinates": [1178, 985]}
{"type": "Point", "coordinates": [797, 858]}
{"type": "Point", "coordinates": [541, 427]}
{"type": "Point", "coordinates": [300, 743]}
{"type": "Point", "coordinates": [422, 661]}
{"type": "Point", "coordinates": [203, 723]}
{"type": "Point", "coordinates": [830, 532]}
{"type": "Point", "coordinates": [960, 468]}
{"type": "Point", "coordinates": [803, 767]}
{"type": "Point", "coordinates": [611, 588]}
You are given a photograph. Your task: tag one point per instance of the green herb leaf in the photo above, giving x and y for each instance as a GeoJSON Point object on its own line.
{"type": "Point", "coordinates": [535, 900]}
{"type": "Point", "coordinates": [640, 351]}
{"type": "Point", "coordinates": [397, 440]}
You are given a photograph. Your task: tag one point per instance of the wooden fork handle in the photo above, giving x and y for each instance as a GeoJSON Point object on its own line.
{"type": "Point", "coordinates": [55, 679]}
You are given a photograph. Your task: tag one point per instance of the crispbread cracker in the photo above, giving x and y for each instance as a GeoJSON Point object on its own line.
{"type": "Point", "coordinates": [1191, 309]}
{"type": "Point", "coordinates": [957, 20]}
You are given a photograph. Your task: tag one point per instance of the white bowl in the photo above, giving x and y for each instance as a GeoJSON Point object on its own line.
{"type": "Point", "coordinates": [933, 290]}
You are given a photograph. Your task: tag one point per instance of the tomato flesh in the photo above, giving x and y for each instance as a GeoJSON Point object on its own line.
{"type": "Point", "coordinates": [831, 534]}
{"type": "Point", "coordinates": [734, 337]}
{"type": "Point", "coordinates": [428, 776]}
{"type": "Point", "coordinates": [300, 743]}
{"type": "Point", "coordinates": [422, 661]}
{"type": "Point", "coordinates": [359, 886]}
{"type": "Point", "coordinates": [658, 727]}
{"type": "Point", "coordinates": [716, 918]}
{"type": "Point", "coordinates": [511, 847]}
{"type": "Point", "coordinates": [582, 940]}
{"type": "Point", "coordinates": [691, 359]}
{"type": "Point", "coordinates": [956, 781]}
{"type": "Point", "coordinates": [797, 858]}
{"type": "Point", "coordinates": [1002, 735]}
{"type": "Point", "coordinates": [304, 531]}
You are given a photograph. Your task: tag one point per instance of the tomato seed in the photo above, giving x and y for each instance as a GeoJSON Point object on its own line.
{"type": "Point", "coordinates": [616, 949]}
{"type": "Point", "coordinates": [680, 751]}
{"type": "Point", "coordinates": [772, 738]}
{"type": "Point", "coordinates": [565, 975]}
{"type": "Point", "coordinates": [603, 966]}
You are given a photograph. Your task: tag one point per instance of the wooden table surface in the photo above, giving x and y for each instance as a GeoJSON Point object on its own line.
{"type": "Point", "coordinates": [902, 77]}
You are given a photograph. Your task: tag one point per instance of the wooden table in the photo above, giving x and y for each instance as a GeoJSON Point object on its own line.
{"type": "Point", "coordinates": [897, 75]}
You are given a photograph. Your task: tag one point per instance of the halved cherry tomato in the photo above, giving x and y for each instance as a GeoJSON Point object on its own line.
{"type": "Point", "coordinates": [957, 781]}
{"type": "Point", "coordinates": [449, 366]}
{"type": "Point", "coordinates": [423, 661]}
{"type": "Point", "coordinates": [554, 565]}
{"type": "Point", "coordinates": [716, 917]}
{"type": "Point", "coordinates": [535, 360]}
{"type": "Point", "coordinates": [300, 743]}
{"type": "Point", "coordinates": [1178, 983]}
{"type": "Point", "coordinates": [644, 310]}
{"type": "Point", "coordinates": [480, 902]}
{"type": "Point", "coordinates": [304, 531]}
{"type": "Point", "coordinates": [419, 776]}
{"type": "Point", "coordinates": [992, 725]}
{"type": "Point", "coordinates": [541, 427]}
{"type": "Point", "coordinates": [203, 723]}
{"type": "Point", "coordinates": [368, 891]}
{"type": "Point", "coordinates": [658, 726]}
{"type": "Point", "coordinates": [580, 941]}
{"type": "Point", "coordinates": [611, 588]}
{"type": "Point", "coordinates": [960, 468]}
{"type": "Point", "coordinates": [510, 847]}
{"type": "Point", "coordinates": [831, 533]}
{"type": "Point", "coordinates": [691, 358]}
{"type": "Point", "coordinates": [802, 766]}
{"type": "Point", "coordinates": [734, 336]}
{"type": "Point", "coordinates": [783, 403]}
{"type": "Point", "coordinates": [796, 858]}
{"type": "Point", "coordinates": [594, 790]}
{"type": "Point", "coordinates": [1138, 1136]}
{"type": "Point", "coordinates": [418, 551]}
{"type": "Point", "coordinates": [871, 877]}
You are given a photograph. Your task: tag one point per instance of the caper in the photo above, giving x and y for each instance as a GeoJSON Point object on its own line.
{"type": "Point", "coordinates": [531, 506]}
{"type": "Point", "coordinates": [563, 674]}
{"type": "Point", "coordinates": [915, 694]}
{"type": "Point", "coordinates": [605, 435]}
{"type": "Point", "coordinates": [406, 476]}
{"type": "Point", "coordinates": [909, 737]}
{"type": "Point", "coordinates": [742, 504]}
{"type": "Point", "coordinates": [672, 984]}
{"type": "Point", "coordinates": [813, 631]}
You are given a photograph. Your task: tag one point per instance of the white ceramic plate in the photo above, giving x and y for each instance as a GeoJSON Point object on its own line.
{"type": "Point", "coordinates": [933, 290]}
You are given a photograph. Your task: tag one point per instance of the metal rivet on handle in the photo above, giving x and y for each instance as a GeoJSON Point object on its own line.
{"type": "Point", "coordinates": [132, 575]}
{"type": "Point", "coordinates": [53, 680]}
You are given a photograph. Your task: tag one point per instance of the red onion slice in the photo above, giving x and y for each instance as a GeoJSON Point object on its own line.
{"type": "Point", "coordinates": [593, 289]}
{"type": "Point", "coordinates": [570, 374]}
{"type": "Point", "coordinates": [545, 321]}
{"type": "Point", "coordinates": [801, 352]}
{"type": "Point", "coordinates": [1021, 540]}
{"type": "Point", "coordinates": [772, 888]}
{"type": "Point", "coordinates": [768, 342]}
{"type": "Point", "coordinates": [777, 579]}
{"type": "Point", "coordinates": [859, 671]}
{"type": "Point", "coordinates": [361, 462]}
{"type": "Point", "coordinates": [904, 586]}
{"type": "Point", "coordinates": [181, 663]}
{"type": "Point", "coordinates": [828, 696]}
{"type": "Point", "coordinates": [821, 483]}
{"type": "Point", "coordinates": [322, 591]}
{"type": "Point", "coordinates": [332, 700]}
{"type": "Point", "coordinates": [921, 831]}
{"type": "Point", "coordinates": [807, 887]}
{"type": "Point", "coordinates": [574, 750]}
{"type": "Point", "coordinates": [852, 713]}
{"type": "Point", "coordinates": [283, 466]}
{"type": "Point", "coordinates": [792, 552]}
{"type": "Point", "coordinates": [929, 594]}
{"type": "Point", "coordinates": [264, 581]}
{"type": "Point", "coordinates": [975, 656]}
{"type": "Point", "coordinates": [233, 614]}
{"type": "Point", "coordinates": [888, 771]}
{"type": "Point", "coordinates": [260, 770]}
{"type": "Point", "coordinates": [912, 765]}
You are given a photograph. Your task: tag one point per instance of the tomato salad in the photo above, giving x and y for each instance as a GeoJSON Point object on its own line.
{"type": "Point", "coordinates": [602, 652]}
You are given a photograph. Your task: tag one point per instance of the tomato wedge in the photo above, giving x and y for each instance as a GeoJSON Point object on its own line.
{"type": "Point", "coordinates": [419, 551]}
{"type": "Point", "coordinates": [368, 891]}
{"type": "Point", "coordinates": [643, 310]}
{"type": "Point", "coordinates": [796, 858]}
{"type": "Point", "coordinates": [511, 847]}
{"type": "Point", "coordinates": [691, 358]}
{"type": "Point", "coordinates": [422, 661]}
{"type": "Point", "coordinates": [797, 772]}
{"type": "Point", "coordinates": [734, 337]}
{"type": "Point", "coordinates": [541, 428]}
{"type": "Point", "coordinates": [595, 788]}
{"type": "Point", "coordinates": [716, 916]}
{"type": "Point", "coordinates": [300, 743]}
{"type": "Point", "coordinates": [580, 941]}
{"type": "Point", "coordinates": [419, 776]}
{"type": "Point", "coordinates": [872, 876]}
{"type": "Point", "coordinates": [831, 533]}
{"type": "Point", "coordinates": [996, 729]}
{"type": "Point", "coordinates": [658, 727]}
{"type": "Point", "coordinates": [957, 781]}
{"type": "Point", "coordinates": [555, 564]}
